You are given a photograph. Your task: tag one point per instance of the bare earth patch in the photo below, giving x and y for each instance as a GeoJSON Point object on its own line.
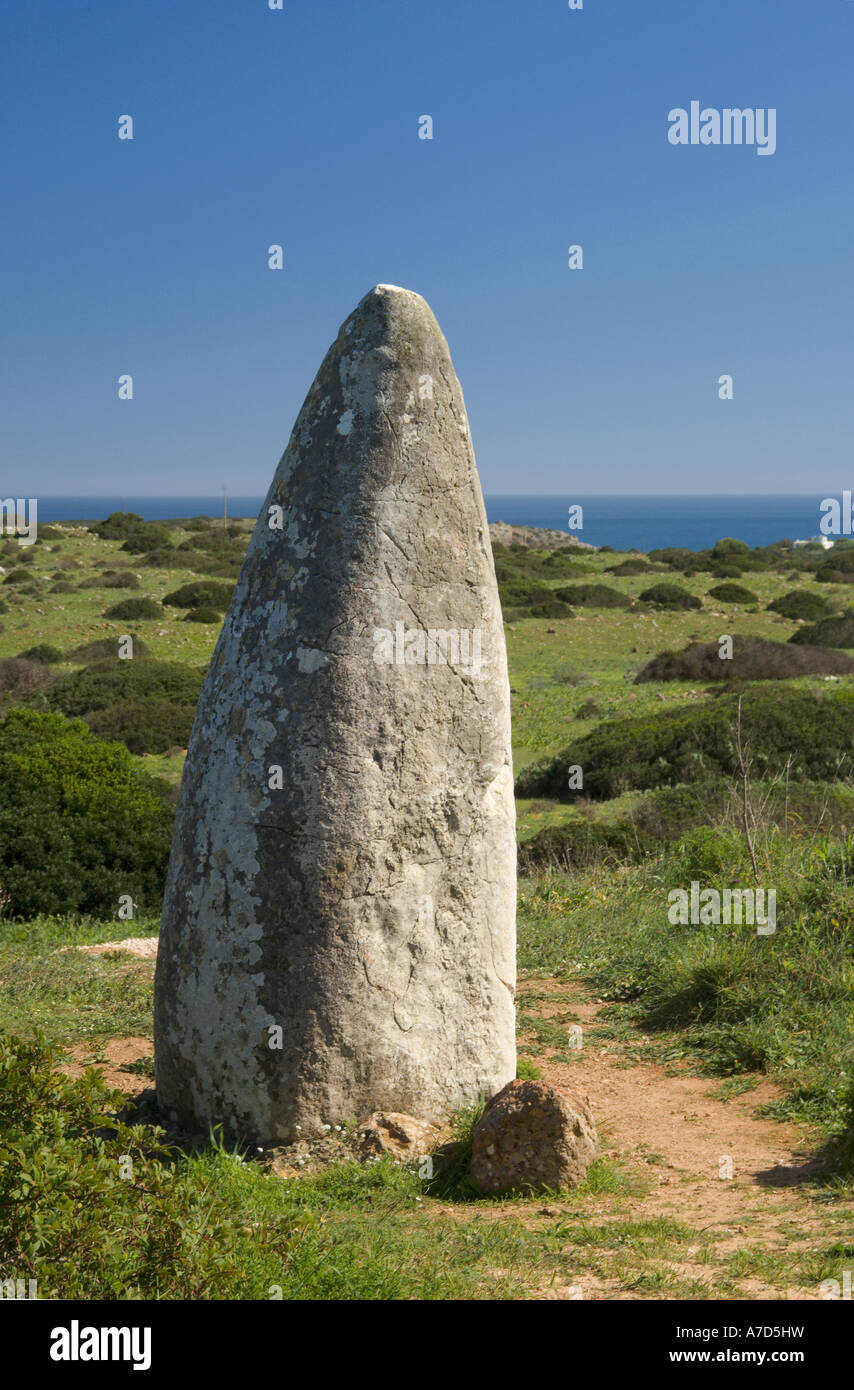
{"type": "Point", "coordinates": [111, 1055]}
{"type": "Point", "coordinates": [143, 947]}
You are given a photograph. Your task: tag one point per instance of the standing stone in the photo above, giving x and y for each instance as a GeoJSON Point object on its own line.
{"type": "Point", "coordinates": [338, 929]}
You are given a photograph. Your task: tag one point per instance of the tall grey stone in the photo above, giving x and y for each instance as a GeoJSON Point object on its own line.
{"type": "Point", "coordinates": [338, 930]}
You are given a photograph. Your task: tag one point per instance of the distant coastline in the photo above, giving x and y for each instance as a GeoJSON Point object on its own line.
{"type": "Point", "coordinates": [625, 522]}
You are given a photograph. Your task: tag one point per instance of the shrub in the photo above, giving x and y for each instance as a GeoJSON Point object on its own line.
{"type": "Point", "coordinates": [728, 546]}
{"type": "Point", "coordinates": [201, 593]}
{"type": "Point", "coordinates": [178, 1229]}
{"type": "Point", "coordinates": [593, 596]}
{"type": "Point", "coordinates": [726, 572]}
{"type": "Point", "coordinates": [171, 559]}
{"type": "Point", "coordinates": [800, 603]}
{"type": "Point", "coordinates": [18, 576]}
{"type": "Point", "coordinates": [122, 579]}
{"type": "Point", "coordinates": [62, 586]}
{"type": "Point", "coordinates": [551, 608]}
{"type": "Point", "coordinates": [79, 823]}
{"type": "Point", "coordinates": [144, 725]}
{"type": "Point", "coordinates": [118, 526]}
{"type": "Point", "coordinates": [102, 649]}
{"type": "Point", "coordinates": [674, 556]}
{"type": "Point", "coordinates": [836, 568]}
{"type": "Point", "coordinates": [148, 537]}
{"type": "Point", "coordinates": [691, 744]}
{"type": "Point", "coordinates": [753, 658]}
{"type": "Point", "coordinates": [733, 593]}
{"type": "Point", "coordinates": [668, 813]}
{"type": "Point", "coordinates": [583, 844]}
{"type": "Point", "coordinates": [670, 596]}
{"type": "Point", "coordinates": [106, 682]}
{"type": "Point", "coordinates": [20, 678]}
{"type": "Point", "coordinates": [135, 608]}
{"type": "Point", "coordinates": [112, 579]}
{"type": "Point", "coordinates": [830, 632]}
{"type": "Point", "coordinates": [629, 567]}
{"type": "Point", "coordinates": [44, 653]}
{"type": "Point", "coordinates": [203, 615]}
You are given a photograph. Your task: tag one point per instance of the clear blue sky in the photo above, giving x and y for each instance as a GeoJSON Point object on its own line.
{"type": "Point", "coordinates": [300, 127]}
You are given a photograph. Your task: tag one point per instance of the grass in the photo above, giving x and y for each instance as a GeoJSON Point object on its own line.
{"type": "Point", "coordinates": [47, 984]}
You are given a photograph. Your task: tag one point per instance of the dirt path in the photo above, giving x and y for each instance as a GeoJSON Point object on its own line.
{"type": "Point", "coordinates": [678, 1136]}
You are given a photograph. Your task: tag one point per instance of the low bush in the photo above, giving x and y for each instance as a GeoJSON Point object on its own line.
{"type": "Point", "coordinates": [118, 526]}
{"type": "Point", "coordinates": [144, 725]}
{"type": "Point", "coordinates": [150, 536]}
{"type": "Point", "coordinates": [201, 593]}
{"type": "Point", "coordinates": [176, 1228]}
{"type": "Point", "coordinates": [815, 728]}
{"type": "Point", "coordinates": [753, 659]}
{"type": "Point", "coordinates": [830, 632]}
{"type": "Point", "coordinates": [733, 593]}
{"type": "Point", "coordinates": [102, 649]}
{"type": "Point", "coordinates": [130, 608]}
{"type": "Point", "coordinates": [800, 604]}
{"type": "Point", "coordinates": [20, 678]}
{"type": "Point", "coordinates": [104, 683]}
{"type": "Point", "coordinates": [669, 596]}
{"type": "Point", "coordinates": [79, 823]}
{"type": "Point", "coordinates": [582, 844]}
{"type": "Point", "coordinates": [593, 596]}
{"type": "Point", "coordinates": [203, 615]}
{"type": "Point", "coordinates": [44, 653]}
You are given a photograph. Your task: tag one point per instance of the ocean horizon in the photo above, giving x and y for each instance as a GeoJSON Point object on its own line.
{"type": "Point", "coordinates": [627, 522]}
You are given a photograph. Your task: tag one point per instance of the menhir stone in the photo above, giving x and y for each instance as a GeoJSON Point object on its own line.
{"type": "Point", "coordinates": [338, 930]}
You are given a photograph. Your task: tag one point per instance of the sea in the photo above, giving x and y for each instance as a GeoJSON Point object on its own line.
{"type": "Point", "coordinates": [624, 521]}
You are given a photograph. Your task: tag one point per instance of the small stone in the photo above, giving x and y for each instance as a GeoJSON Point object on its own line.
{"type": "Point", "coordinates": [401, 1137]}
{"type": "Point", "coordinates": [534, 1135]}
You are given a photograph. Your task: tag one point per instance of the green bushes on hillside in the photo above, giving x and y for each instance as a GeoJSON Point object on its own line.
{"type": "Point", "coordinates": [102, 649]}
{"type": "Point", "coordinates": [80, 825]}
{"type": "Point", "coordinates": [753, 659]}
{"type": "Point", "coordinates": [143, 725]}
{"type": "Point", "coordinates": [129, 608]}
{"type": "Point", "coordinates": [203, 615]}
{"type": "Point", "coordinates": [177, 1229]}
{"type": "Point", "coordinates": [106, 682]}
{"type": "Point", "coordinates": [733, 593]}
{"type": "Point", "coordinates": [593, 596]}
{"type": "Point", "coordinates": [582, 844]}
{"type": "Point", "coordinates": [815, 728]}
{"type": "Point", "coordinates": [20, 678]}
{"type": "Point", "coordinates": [800, 603]}
{"type": "Point", "coordinates": [201, 593]}
{"type": "Point", "coordinates": [43, 652]}
{"type": "Point", "coordinates": [670, 596]}
{"type": "Point", "coordinates": [830, 632]}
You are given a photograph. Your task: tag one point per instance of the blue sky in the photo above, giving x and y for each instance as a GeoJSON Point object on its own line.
{"type": "Point", "coordinates": [299, 127]}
